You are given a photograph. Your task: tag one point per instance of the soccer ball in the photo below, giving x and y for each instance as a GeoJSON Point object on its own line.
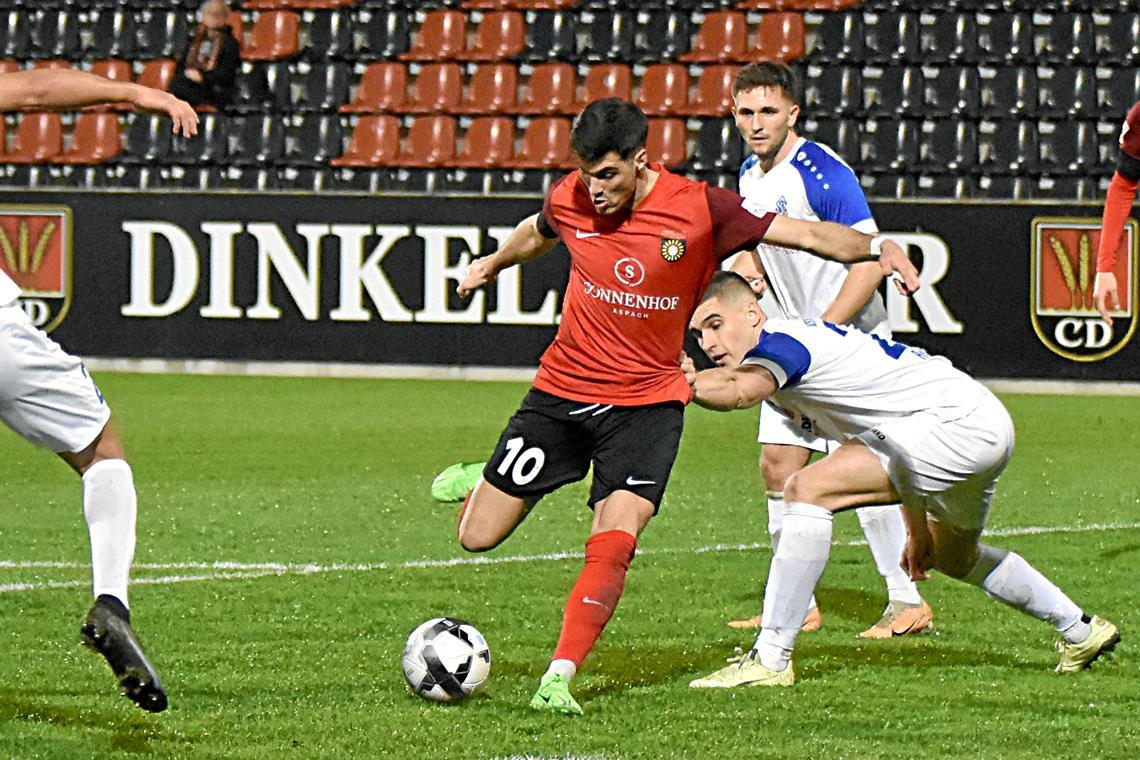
{"type": "Point", "coordinates": [446, 660]}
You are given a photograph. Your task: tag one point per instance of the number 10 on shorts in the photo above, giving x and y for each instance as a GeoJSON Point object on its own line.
{"type": "Point", "coordinates": [527, 462]}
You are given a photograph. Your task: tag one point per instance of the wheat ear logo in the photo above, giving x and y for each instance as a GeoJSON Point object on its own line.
{"type": "Point", "coordinates": [35, 251]}
{"type": "Point", "coordinates": [1062, 273]}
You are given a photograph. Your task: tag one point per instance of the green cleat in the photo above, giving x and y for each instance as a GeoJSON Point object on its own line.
{"type": "Point", "coordinates": [1075, 657]}
{"type": "Point", "coordinates": [458, 480]}
{"type": "Point", "coordinates": [745, 670]}
{"type": "Point", "coordinates": [554, 696]}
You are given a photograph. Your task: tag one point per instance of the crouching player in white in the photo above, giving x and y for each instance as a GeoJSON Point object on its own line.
{"type": "Point", "coordinates": [47, 397]}
{"type": "Point", "coordinates": [914, 429]}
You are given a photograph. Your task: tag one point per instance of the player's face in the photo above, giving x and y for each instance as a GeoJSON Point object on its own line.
{"type": "Point", "coordinates": [765, 116]}
{"type": "Point", "coordinates": [727, 329]}
{"type": "Point", "coordinates": [612, 182]}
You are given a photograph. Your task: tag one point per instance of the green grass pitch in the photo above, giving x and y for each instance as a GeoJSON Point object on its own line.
{"type": "Point", "coordinates": [317, 492]}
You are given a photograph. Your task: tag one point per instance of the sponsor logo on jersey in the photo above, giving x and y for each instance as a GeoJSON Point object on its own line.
{"type": "Point", "coordinates": [629, 271]}
{"type": "Point", "coordinates": [782, 205]}
{"type": "Point", "coordinates": [35, 251]}
{"type": "Point", "coordinates": [630, 304]}
{"type": "Point", "coordinates": [1062, 272]}
{"type": "Point", "coordinates": [672, 245]}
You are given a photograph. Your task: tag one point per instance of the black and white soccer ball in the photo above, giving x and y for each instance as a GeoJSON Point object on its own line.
{"type": "Point", "coordinates": [446, 660]}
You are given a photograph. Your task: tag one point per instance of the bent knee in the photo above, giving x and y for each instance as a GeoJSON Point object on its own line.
{"type": "Point", "coordinates": [956, 566]}
{"type": "Point", "coordinates": [475, 541]}
{"type": "Point", "coordinates": [799, 489]}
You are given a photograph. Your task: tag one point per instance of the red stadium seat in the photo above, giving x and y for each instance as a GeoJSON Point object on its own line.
{"type": "Point", "coordinates": [490, 143]}
{"type": "Point", "coordinates": [299, 5]}
{"type": "Point", "coordinates": [383, 89]}
{"type": "Point", "coordinates": [7, 66]}
{"type": "Point", "coordinates": [778, 37]}
{"type": "Point", "coordinates": [797, 5]}
{"type": "Point", "coordinates": [275, 35]}
{"type": "Point", "coordinates": [430, 142]}
{"type": "Point", "coordinates": [550, 90]}
{"type": "Point", "coordinates": [437, 89]}
{"type": "Point", "coordinates": [714, 92]}
{"type": "Point", "coordinates": [666, 143]}
{"type": "Point", "coordinates": [493, 88]}
{"type": "Point", "coordinates": [157, 74]}
{"type": "Point", "coordinates": [664, 89]}
{"type": "Point", "coordinates": [54, 63]}
{"type": "Point", "coordinates": [38, 141]}
{"type": "Point", "coordinates": [119, 71]}
{"type": "Point", "coordinates": [519, 5]}
{"type": "Point", "coordinates": [441, 37]}
{"type": "Point", "coordinates": [375, 141]}
{"type": "Point", "coordinates": [501, 35]}
{"type": "Point", "coordinates": [607, 80]}
{"type": "Point", "coordinates": [94, 139]}
{"type": "Point", "coordinates": [723, 36]}
{"type": "Point", "coordinates": [545, 145]}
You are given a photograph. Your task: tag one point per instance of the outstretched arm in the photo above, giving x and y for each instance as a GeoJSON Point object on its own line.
{"type": "Point", "coordinates": [840, 243]}
{"type": "Point", "coordinates": [55, 89]}
{"type": "Point", "coordinates": [725, 389]}
{"type": "Point", "coordinates": [524, 244]}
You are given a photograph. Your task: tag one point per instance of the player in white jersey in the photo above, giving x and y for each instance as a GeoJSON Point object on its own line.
{"type": "Point", "coordinates": [47, 397]}
{"type": "Point", "coordinates": [913, 429]}
{"type": "Point", "coordinates": [790, 175]}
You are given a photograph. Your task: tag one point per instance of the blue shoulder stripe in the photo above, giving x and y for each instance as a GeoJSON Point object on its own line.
{"type": "Point", "coordinates": [832, 189]}
{"type": "Point", "coordinates": [783, 355]}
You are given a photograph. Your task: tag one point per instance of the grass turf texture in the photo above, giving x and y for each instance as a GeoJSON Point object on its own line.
{"type": "Point", "coordinates": [337, 471]}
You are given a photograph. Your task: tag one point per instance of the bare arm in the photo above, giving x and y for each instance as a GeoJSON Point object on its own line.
{"type": "Point", "coordinates": [524, 244]}
{"type": "Point", "coordinates": [747, 264]}
{"type": "Point", "coordinates": [862, 281]}
{"type": "Point", "coordinates": [839, 243]}
{"type": "Point", "coordinates": [55, 89]}
{"type": "Point", "coordinates": [725, 389]}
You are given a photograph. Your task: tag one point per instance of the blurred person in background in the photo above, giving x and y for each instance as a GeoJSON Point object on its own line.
{"type": "Point", "coordinates": [207, 72]}
{"type": "Point", "coordinates": [1117, 207]}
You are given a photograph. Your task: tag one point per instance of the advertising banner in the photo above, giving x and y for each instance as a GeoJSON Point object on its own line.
{"type": "Point", "coordinates": [1007, 287]}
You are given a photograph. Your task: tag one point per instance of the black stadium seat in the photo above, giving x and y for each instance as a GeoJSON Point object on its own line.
{"type": "Point", "coordinates": [948, 38]}
{"type": "Point", "coordinates": [663, 35]}
{"type": "Point", "coordinates": [838, 38]}
{"type": "Point", "coordinates": [609, 37]}
{"type": "Point", "coordinates": [55, 34]}
{"type": "Point", "coordinates": [162, 33]}
{"type": "Point", "coordinates": [717, 148]}
{"type": "Point", "coordinates": [951, 90]}
{"type": "Point", "coordinates": [891, 38]}
{"type": "Point", "coordinates": [319, 86]}
{"type": "Point", "coordinates": [113, 34]}
{"type": "Point", "coordinates": [832, 90]}
{"type": "Point", "coordinates": [897, 90]}
{"type": "Point", "coordinates": [385, 33]}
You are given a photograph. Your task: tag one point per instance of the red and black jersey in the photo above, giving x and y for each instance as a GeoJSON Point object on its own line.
{"type": "Point", "coordinates": [1121, 192]}
{"type": "Point", "coordinates": [635, 279]}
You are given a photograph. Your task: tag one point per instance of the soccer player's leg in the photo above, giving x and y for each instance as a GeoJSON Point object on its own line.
{"type": "Point", "coordinates": [537, 453]}
{"type": "Point", "coordinates": [632, 461]}
{"type": "Point", "coordinates": [906, 611]}
{"type": "Point", "coordinates": [851, 476]}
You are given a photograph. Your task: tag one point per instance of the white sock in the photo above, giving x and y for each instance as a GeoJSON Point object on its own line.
{"type": "Point", "coordinates": [886, 536]}
{"type": "Point", "coordinates": [110, 505]}
{"type": "Point", "coordinates": [805, 544]}
{"type": "Point", "coordinates": [776, 509]}
{"type": "Point", "coordinates": [1011, 580]}
{"type": "Point", "coordinates": [565, 668]}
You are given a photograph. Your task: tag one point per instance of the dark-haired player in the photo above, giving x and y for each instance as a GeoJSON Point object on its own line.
{"type": "Point", "coordinates": [643, 244]}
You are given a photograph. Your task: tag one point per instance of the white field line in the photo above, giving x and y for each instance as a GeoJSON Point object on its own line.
{"type": "Point", "coordinates": [215, 571]}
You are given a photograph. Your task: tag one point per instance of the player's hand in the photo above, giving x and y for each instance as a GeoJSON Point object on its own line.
{"type": "Point", "coordinates": [918, 554]}
{"type": "Point", "coordinates": [479, 274]}
{"type": "Point", "coordinates": [1103, 290]}
{"type": "Point", "coordinates": [193, 75]}
{"type": "Point", "coordinates": [688, 368]}
{"type": "Point", "coordinates": [185, 121]}
{"type": "Point", "coordinates": [897, 266]}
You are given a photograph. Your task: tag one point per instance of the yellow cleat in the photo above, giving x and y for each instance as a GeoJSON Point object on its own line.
{"type": "Point", "coordinates": [900, 619]}
{"type": "Point", "coordinates": [813, 621]}
{"type": "Point", "coordinates": [745, 670]}
{"type": "Point", "coordinates": [1074, 657]}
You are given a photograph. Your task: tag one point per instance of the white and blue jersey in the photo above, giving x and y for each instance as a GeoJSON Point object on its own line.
{"type": "Point", "coordinates": [9, 290]}
{"type": "Point", "coordinates": [813, 184]}
{"type": "Point", "coordinates": [848, 381]}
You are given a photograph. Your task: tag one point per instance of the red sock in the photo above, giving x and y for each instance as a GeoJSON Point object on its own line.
{"type": "Point", "coordinates": [596, 594]}
{"type": "Point", "coordinates": [463, 511]}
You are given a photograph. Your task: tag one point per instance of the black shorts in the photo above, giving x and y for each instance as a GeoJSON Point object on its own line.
{"type": "Point", "coordinates": [551, 441]}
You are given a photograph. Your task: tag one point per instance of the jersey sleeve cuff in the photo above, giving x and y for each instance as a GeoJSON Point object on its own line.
{"type": "Point", "coordinates": [773, 367]}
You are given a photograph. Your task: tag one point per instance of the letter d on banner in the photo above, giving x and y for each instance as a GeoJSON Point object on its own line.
{"type": "Point", "coordinates": [184, 264]}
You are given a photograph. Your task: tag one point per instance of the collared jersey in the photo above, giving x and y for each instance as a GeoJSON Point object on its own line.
{"type": "Point", "coordinates": [814, 184]}
{"type": "Point", "coordinates": [846, 381]}
{"type": "Point", "coordinates": [635, 279]}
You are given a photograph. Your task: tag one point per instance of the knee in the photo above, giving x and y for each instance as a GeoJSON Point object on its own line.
{"type": "Point", "coordinates": [775, 474]}
{"type": "Point", "coordinates": [798, 489]}
{"type": "Point", "coordinates": [956, 565]}
{"type": "Point", "coordinates": [474, 541]}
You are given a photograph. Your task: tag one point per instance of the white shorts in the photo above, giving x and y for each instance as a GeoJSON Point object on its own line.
{"type": "Point", "coordinates": [46, 394]}
{"type": "Point", "coordinates": [777, 427]}
{"type": "Point", "coordinates": [949, 467]}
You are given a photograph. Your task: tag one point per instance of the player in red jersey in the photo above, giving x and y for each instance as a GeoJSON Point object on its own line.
{"type": "Point", "coordinates": [1117, 206]}
{"type": "Point", "coordinates": [609, 391]}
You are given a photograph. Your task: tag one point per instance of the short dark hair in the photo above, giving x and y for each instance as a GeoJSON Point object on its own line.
{"type": "Point", "coordinates": [765, 74]}
{"type": "Point", "coordinates": [606, 125]}
{"type": "Point", "coordinates": [727, 285]}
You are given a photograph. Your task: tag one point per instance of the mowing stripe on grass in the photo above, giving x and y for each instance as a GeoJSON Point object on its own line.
{"type": "Point", "coordinates": [222, 571]}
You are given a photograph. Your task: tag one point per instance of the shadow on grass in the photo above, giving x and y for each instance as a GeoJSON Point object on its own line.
{"type": "Point", "coordinates": [129, 732]}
